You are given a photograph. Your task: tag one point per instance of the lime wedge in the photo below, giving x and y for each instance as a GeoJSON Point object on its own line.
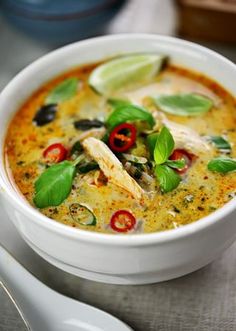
{"type": "Point", "coordinates": [125, 71]}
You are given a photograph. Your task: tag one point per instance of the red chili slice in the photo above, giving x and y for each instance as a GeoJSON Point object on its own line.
{"type": "Point", "coordinates": [55, 153]}
{"type": "Point", "coordinates": [179, 154]}
{"type": "Point", "coordinates": [122, 137]}
{"type": "Point", "coordinates": [122, 221]}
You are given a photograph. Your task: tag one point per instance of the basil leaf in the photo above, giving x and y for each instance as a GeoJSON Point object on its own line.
{"type": "Point", "coordinates": [128, 113]}
{"type": "Point", "coordinates": [118, 102]}
{"type": "Point", "coordinates": [167, 178]}
{"type": "Point", "coordinates": [62, 92]}
{"type": "Point", "coordinates": [151, 142]}
{"type": "Point", "coordinates": [177, 164]}
{"type": "Point", "coordinates": [184, 104]}
{"type": "Point", "coordinates": [164, 146]}
{"type": "Point", "coordinates": [220, 143]}
{"type": "Point", "coordinates": [222, 165]}
{"type": "Point", "coordinates": [54, 185]}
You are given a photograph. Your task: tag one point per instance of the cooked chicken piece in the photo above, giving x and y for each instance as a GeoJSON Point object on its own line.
{"type": "Point", "coordinates": [184, 136]}
{"type": "Point", "coordinates": [176, 85]}
{"type": "Point", "coordinates": [96, 133]}
{"type": "Point", "coordinates": [187, 138]}
{"type": "Point", "coordinates": [111, 166]}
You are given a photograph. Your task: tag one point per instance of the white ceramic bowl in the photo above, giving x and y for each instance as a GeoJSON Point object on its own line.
{"type": "Point", "coordinates": [129, 259]}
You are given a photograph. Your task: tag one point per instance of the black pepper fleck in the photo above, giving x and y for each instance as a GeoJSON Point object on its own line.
{"type": "Point", "coordinates": [200, 208]}
{"type": "Point", "coordinates": [176, 210]}
{"type": "Point", "coordinates": [27, 175]}
{"type": "Point", "coordinates": [20, 163]}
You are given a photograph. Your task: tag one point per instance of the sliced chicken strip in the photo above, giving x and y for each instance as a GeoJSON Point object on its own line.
{"type": "Point", "coordinates": [184, 136]}
{"type": "Point", "coordinates": [96, 133]}
{"type": "Point", "coordinates": [112, 167]}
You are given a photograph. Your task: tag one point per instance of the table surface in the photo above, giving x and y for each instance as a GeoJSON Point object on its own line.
{"type": "Point", "coordinates": [203, 300]}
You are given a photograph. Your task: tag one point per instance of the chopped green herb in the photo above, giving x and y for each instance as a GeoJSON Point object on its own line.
{"type": "Point", "coordinates": [221, 143]}
{"type": "Point", "coordinates": [211, 208]}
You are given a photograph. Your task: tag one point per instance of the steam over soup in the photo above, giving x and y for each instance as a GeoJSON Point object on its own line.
{"type": "Point", "coordinates": [132, 145]}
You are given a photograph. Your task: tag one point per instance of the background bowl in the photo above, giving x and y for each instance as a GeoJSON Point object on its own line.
{"type": "Point", "coordinates": [60, 22]}
{"type": "Point", "coordinates": [129, 259]}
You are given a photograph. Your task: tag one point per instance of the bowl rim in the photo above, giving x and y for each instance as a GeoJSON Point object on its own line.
{"type": "Point", "coordinates": [104, 238]}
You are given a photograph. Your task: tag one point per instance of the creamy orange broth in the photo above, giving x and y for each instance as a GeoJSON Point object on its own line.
{"type": "Point", "coordinates": [200, 193]}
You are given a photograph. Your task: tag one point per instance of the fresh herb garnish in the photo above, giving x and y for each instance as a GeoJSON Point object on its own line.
{"type": "Point", "coordinates": [62, 92]}
{"type": "Point", "coordinates": [54, 185]}
{"type": "Point", "coordinates": [167, 178]}
{"type": "Point", "coordinates": [129, 113]}
{"type": "Point", "coordinates": [222, 165]}
{"type": "Point", "coordinates": [151, 142]}
{"type": "Point", "coordinates": [221, 143]}
{"type": "Point", "coordinates": [164, 146]}
{"type": "Point", "coordinates": [176, 164]}
{"type": "Point", "coordinates": [118, 102]}
{"type": "Point", "coordinates": [161, 147]}
{"type": "Point", "coordinates": [183, 104]}
{"type": "Point", "coordinates": [47, 113]}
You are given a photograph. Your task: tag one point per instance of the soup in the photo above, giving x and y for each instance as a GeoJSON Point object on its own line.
{"type": "Point", "coordinates": [131, 145]}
